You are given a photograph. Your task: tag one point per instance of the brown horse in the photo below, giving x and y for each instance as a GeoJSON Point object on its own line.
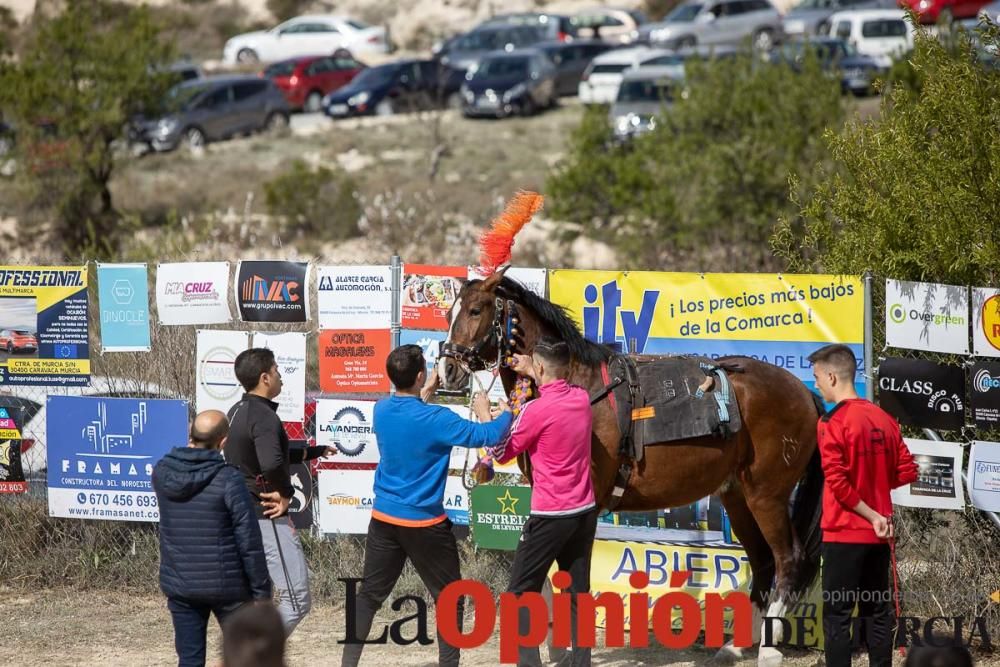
{"type": "Point", "coordinates": [754, 471]}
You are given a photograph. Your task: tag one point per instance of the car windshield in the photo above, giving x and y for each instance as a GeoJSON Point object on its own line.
{"type": "Point", "coordinates": [375, 76]}
{"type": "Point", "coordinates": [180, 97]}
{"type": "Point", "coordinates": [668, 59]}
{"type": "Point", "coordinates": [683, 14]}
{"type": "Point", "coordinates": [23, 332]}
{"type": "Point", "coordinates": [645, 90]}
{"type": "Point", "coordinates": [280, 69]}
{"type": "Point", "coordinates": [502, 67]}
{"type": "Point", "coordinates": [357, 25]}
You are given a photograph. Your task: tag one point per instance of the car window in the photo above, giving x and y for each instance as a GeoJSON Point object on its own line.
{"type": "Point", "coordinates": [217, 98]}
{"type": "Point", "coordinates": [286, 68]}
{"type": "Point", "coordinates": [346, 63]}
{"type": "Point", "coordinates": [591, 50]}
{"type": "Point", "coordinates": [294, 29]}
{"type": "Point", "coordinates": [357, 25]}
{"type": "Point", "coordinates": [883, 28]}
{"type": "Point", "coordinates": [718, 10]}
{"type": "Point", "coordinates": [844, 29]}
{"type": "Point", "coordinates": [321, 66]}
{"type": "Point", "coordinates": [609, 68]}
{"type": "Point", "coordinates": [735, 8]}
{"type": "Point", "coordinates": [557, 55]}
{"type": "Point", "coordinates": [504, 67]}
{"type": "Point", "coordinates": [320, 28]}
{"type": "Point", "coordinates": [647, 90]}
{"type": "Point", "coordinates": [247, 89]}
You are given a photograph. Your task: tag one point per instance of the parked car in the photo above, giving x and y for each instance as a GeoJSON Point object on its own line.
{"type": "Point", "coordinates": [932, 11]}
{"type": "Point", "coordinates": [185, 71]}
{"type": "Point", "coordinates": [570, 60]}
{"type": "Point", "coordinates": [306, 81]}
{"type": "Point", "coordinates": [18, 340]}
{"type": "Point", "coordinates": [857, 73]}
{"type": "Point", "coordinates": [315, 34]}
{"type": "Point", "coordinates": [502, 84]}
{"type": "Point", "coordinates": [603, 75]}
{"type": "Point", "coordinates": [557, 27]}
{"type": "Point", "coordinates": [466, 50]}
{"type": "Point", "coordinates": [401, 86]}
{"type": "Point", "coordinates": [644, 94]}
{"type": "Point", "coordinates": [991, 12]}
{"type": "Point", "coordinates": [676, 61]}
{"type": "Point", "coordinates": [611, 24]}
{"type": "Point", "coordinates": [714, 22]}
{"type": "Point", "coordinates": [811, 16]}
{"type": "Point", "coordinates": [882, 34]}
{"type": "Point", "coordinates": [211, 109]}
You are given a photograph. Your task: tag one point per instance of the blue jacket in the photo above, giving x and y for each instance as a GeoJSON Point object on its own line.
{"type": "Point", "coordinates": [414, 444]}
{"type": "Point", "coordinates": [210, 545]}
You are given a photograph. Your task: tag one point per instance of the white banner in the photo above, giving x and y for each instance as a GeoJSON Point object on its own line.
{"type": "Point", "coordinates": [347, 427]}
{"type": "Point", "coordinates": [193, 293]}
{"type": "Point", "coordinates": [217, 386]}
{"type": "Point", "coordinates": [986, 321]}
{"type": "Point", "coordinates": [290, 354]}
{"type": "Point", "coordinates": [355, 297]}
{"type": "Point", "coordinates": [458, 454]}
{"type": "Point", "coordinates": [984, 475]}
{"type": "Point", "coordinates": [939, 478]}
{"type": "Point", "coordinates": [345, 500]}
{"type": "Point", "coordinates": [927, 316]}
{"type": "Point", "coordinates": [456, 501]}
{"type": "Point", "coordinates": [533, 279]}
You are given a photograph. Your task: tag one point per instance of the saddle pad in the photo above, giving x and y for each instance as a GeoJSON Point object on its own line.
{"type": "Point", "coordinates": [668, 405]}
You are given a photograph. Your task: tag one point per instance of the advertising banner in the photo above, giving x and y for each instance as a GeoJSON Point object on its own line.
{"type": "Point", "coordinates": [986, 321]}
{"type": "Point", "coordinates": [290, 355]}
{"type": "Point", "coordinates": [353, 361]}
{"type": "Point", "coordinates": [780, 319]}
{"type": "Point", "coordinates": [300, 506]}
{"type": "Point", "coordinates": [985, 394]}
{"type": "Point", "coordinates": [355, 297]}
{"type": "Point", "coordinates": [345, 498]}
{"type": "Point", "coordinates": [429, 341]}
{"type": "Point", "coordinates": [44, 326]}
{"type": "Point", "coordinates": [123, 295]}
{"type": "Point", "coordinates": [102, 451]}
{"type": "Point", "coordinates": [984, 475]}
{"type": "Point", "coordinates": [927, 316]}
{"type": "Point", "coordinates": [456, 501]}
{"type": "Point", "coordinates": [193, 293]}
{"type": "Point", "coordinates": [271, 291]}
{"type": "Point", "coordinates": [922, 393]}
{"type": "Point", "coordinates": [428, 294]}
{"type": "Point", "coordinates": [216, 386]}
{"type": "Point", "coordinates": [11, 471]}
{"type": "Point", "coordinates": [497, 514]}
{"type": "Point", "coordinates": [533, 279]}
{"type": "Point", "coordinates": [939, 478]}
{"type": "Point", "coordinates": [347, 427]}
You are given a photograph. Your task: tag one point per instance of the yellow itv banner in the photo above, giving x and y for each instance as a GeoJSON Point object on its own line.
{"type": "Point", "coordinates": [780, 319]}
{"type": "Point", "coordinates": [44, 326]}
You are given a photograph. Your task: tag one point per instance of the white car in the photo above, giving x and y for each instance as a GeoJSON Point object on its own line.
{"type": "Point", "coordinates": [603, 75]}
{"type": "Point", "coordinates": [881, 34]}
{"type": "Point", "coordinates": [311, 35]}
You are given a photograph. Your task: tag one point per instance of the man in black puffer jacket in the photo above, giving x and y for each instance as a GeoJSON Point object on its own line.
{"type": "Point", "coordinates": [211, 553]}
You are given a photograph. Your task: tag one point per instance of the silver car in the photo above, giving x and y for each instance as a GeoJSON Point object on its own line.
{"type": "Point", "coordinates": [642, 96]}
{"type": "Point", "coordinates": [812, 17]}
{"type": "Point", "coordinates": [715, 22]}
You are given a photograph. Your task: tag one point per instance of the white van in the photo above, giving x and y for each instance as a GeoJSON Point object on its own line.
{"type": "Point", "coordinates": [603, 75]}
{"type": "Point", "coordinates": [882, 34]}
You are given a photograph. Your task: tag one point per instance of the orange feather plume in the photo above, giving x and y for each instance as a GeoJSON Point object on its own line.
{"type": "Point", "coordinates": [495, 243]}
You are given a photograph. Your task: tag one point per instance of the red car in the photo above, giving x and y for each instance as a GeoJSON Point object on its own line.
{"type": "Point", "coordinates": [930, 11]}
{"type": "Point", "coordinates": [17, 340]}
{"type": "Point", "coordinates": [306, 81]}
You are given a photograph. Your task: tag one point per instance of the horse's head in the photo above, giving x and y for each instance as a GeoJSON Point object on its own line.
{"type": "Point", "coordinates": [474, 337]}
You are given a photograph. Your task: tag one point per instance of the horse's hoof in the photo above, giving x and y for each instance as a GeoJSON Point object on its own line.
{"type": "Point", "coordinates": [769, 657]}
{"type": "Point", "coordinates": [727, 655]}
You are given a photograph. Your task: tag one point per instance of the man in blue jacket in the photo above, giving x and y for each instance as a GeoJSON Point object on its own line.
{"type": "Point", "coordinates": [408, 517]}
{"type": "Point", "coordinates": [211, 553]}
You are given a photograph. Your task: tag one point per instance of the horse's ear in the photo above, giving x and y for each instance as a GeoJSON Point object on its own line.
{"type": "Point", "coordinates": [493, 280]}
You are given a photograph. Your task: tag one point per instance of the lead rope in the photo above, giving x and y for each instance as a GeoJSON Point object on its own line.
{"type": "Point", "coordinates": [482, 462]}
{"type": "Point", "coordinates": [895, 586]}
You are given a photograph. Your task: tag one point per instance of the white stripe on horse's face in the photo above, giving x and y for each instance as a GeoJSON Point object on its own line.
{"type": "Point", "coordinates": [455, 310]}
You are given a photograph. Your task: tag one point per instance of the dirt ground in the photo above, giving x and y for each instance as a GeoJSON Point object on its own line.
{"type": "Point", "coordinates": [71, 628]}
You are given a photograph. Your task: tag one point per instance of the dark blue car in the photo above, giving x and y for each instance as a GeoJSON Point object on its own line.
{"type": "Point", "coordinates": [857, 72]}
{"type": "Point", "coordinates": [503, 84]}
{"type": "Point", "coordinates": [396, 87]}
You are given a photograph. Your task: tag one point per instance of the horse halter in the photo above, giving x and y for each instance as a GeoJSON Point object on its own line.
{"type": "Point", "coordinates": [501, 333]}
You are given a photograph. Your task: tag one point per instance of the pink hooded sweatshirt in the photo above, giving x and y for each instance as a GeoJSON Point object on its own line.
{"type": "Point", "coordinates": [555, 431]}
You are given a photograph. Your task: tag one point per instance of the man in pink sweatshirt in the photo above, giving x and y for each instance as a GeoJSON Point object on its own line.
{"type": "Point", "coordinates": [555, 431]}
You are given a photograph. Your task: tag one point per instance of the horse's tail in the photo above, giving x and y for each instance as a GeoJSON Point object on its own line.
{"type": "Point", "coordinates": [806, 512]}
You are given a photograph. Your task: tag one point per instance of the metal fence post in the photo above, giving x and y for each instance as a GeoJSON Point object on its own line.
{"type": "Point", "coordinates": [396, 265]}
{"type": "Point", "coordinates": [933, 435]}
{"type": "Point", "coordinates": [869, 340]}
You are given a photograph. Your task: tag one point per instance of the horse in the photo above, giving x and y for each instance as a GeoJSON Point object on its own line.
{"type": "Point", "coordinates": [753, 471]}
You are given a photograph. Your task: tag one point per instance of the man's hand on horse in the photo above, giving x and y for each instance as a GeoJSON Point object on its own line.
{"type": "Point", "coordinates": [501, 408]}
{"type": "Point", "coordinates": [522, 365]}
{"type": "Point", "coordinates": [431, 385]}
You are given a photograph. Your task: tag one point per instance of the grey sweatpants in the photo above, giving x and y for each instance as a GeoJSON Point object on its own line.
{"type": "Point", "coordinates": [286, 563]}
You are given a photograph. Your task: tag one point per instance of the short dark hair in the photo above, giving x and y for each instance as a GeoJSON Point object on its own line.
{"type": "Point", "coordinates": [251, 364]}
{"type": "Point", "coordinates": [555, 353]}
{"type": "Point", "coordinates": [404, 365]}
{"type": "Point", "coordinates": [839, 358]}
{"type": "Point", "coordinates": [254, 635]}
{"type": "Point", "coordinates": [950, 655]}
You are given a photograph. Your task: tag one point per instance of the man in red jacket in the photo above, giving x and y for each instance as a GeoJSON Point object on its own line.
{"type": "Point", "coordinates": [864, 458]}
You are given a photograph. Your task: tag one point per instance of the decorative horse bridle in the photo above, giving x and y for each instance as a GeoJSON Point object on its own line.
{"type": "Point", "coordinates": [502, 333]}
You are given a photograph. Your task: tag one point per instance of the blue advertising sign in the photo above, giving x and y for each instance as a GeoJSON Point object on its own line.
{"type": "Point", "coordinates": [428, 340]}
{"type": "Point", "coordinates": [101, 453]}
{"type": "Point", "coordinates": [124, 302]}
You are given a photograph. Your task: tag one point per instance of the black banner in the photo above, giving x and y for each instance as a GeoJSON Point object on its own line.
{"type": "Point", "coordinates": [985, 394]}
{"type": "Point", "coordinates": [272, 291]}
{"type": "Point", "coordinates": [11, 472]}
{"type": "Point", "coordinates": [923, 393]}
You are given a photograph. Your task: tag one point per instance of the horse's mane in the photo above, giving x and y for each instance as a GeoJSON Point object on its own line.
{"type": "Point", "coordinates": [558, 320]}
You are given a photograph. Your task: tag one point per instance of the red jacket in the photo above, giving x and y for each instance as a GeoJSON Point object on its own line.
{"type": "Point", "coordinates": [864, 458]}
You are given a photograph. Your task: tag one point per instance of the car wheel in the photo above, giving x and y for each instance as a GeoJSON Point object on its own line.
{"type": "Point", "coordinates": [763, 40]}
{"type": "Point", "coordinates": [314, 101]}
{"type": "Point", "coordinates": [454, 101]}
{"type": "Point", "coordinates": [194, 138]}
{"type": "Point", "coordinates": [384, 108]}
{"type": "Point", "coordinates": [10, 348]}
{"type": "Point", "coordinates": [528, 107]}
{"type": "Point", "coordinates": [276, 123]}
{"type": "Point", "coordinates": [247, 57]}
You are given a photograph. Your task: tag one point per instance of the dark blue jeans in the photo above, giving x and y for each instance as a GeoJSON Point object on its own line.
{"type": "Point", "coordinates": [191, 623]}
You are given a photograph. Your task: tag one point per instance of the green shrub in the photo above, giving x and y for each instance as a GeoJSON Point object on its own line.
{"type": "Point", "coordinates": [286, 9]}
{"type": "Point", "coordinates": [320, 202]}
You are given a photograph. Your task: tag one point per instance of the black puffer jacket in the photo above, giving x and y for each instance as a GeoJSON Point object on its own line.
{"type": "Point", "coordinates": [210, 545]}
